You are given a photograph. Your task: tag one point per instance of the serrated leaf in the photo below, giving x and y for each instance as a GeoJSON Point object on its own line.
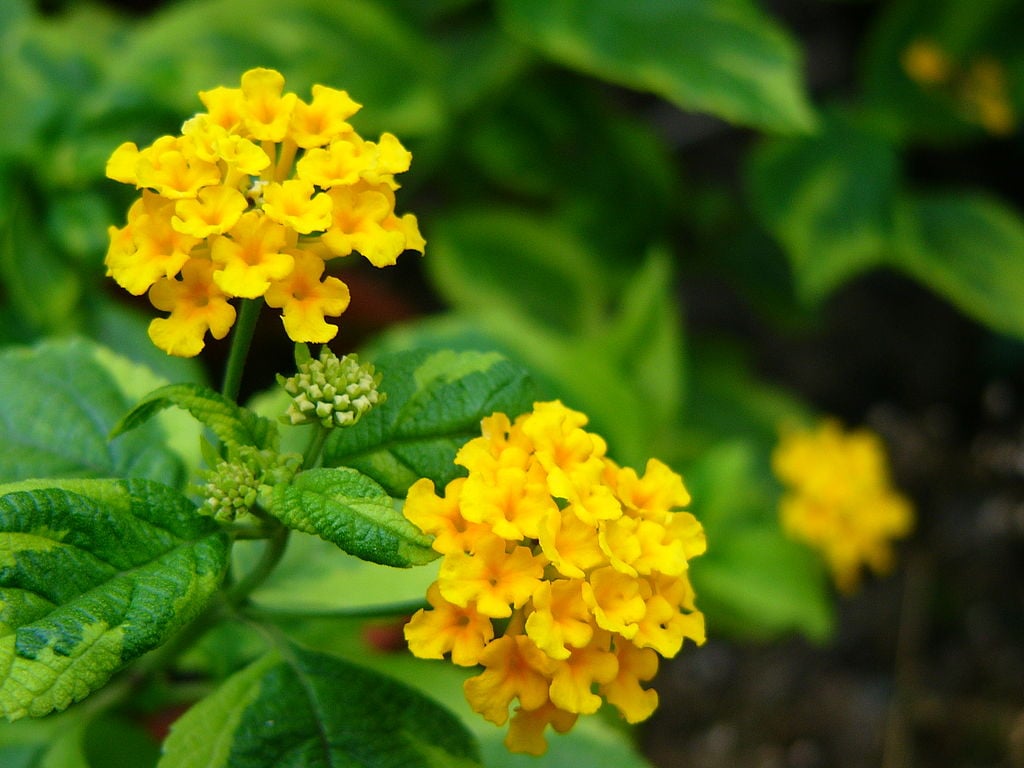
{"type": "Point", "coordinates": [828, 199]}
{"type": "Point", "coordinates": [352, 511]}
{"type": "Point", "coordinates": [94, 573]}
{"type": "Point", "coordinates": [233, 425]}
{"type": "Point", "coordinates": [968, 248]}
{"type": "Point", "coordinates": [322, 712]}
{"type": "Point", "coordinates": [58, 402]}
{"type": "Point", "coordinates": [435, 401]}
{"type": "Point", "coordinates": [720, 56]}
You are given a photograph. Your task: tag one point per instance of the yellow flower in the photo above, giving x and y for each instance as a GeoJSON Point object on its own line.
{"type": "Point", "coordinates": [493, 579]}
{"type": "Point", "coordinates": [196, 305]}
{"type": "Point", "coordinates": [462, 631]}
{"type": "Point", "coordinates": [839, 499]}
{"type": "Point", "coordinates": [926, 63]}
{"type": "Point", "coordinates": [270, 188]}
{"type": "Point", "coordinates": [306, 299]}
{"type": "Point", "coordinates": [985, 96]}
{"type": "Point", "coordinates": [585, 560]}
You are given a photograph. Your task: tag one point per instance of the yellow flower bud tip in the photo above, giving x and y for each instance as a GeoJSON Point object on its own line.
{"type": "Point", "coordinates": [581, 561]}
{"type": "Point", "coordinates": [839, 499]}
{"type": "Point", "coordinates": [268, 186]}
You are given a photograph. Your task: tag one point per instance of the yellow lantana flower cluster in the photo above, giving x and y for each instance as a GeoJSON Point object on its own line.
{"type": "Point", "coordinates": [250, 201]}
{"type": "Point", "coordinates": [582, 563]}
{"type": "Point", "coordinates": [840, 500]}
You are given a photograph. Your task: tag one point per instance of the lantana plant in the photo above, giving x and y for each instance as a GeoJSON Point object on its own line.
{"type": "Point", "coordinates": [559, 574]}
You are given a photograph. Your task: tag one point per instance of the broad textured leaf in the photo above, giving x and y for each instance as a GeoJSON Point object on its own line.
{"type": "Point", "coordinates": [304, 709]}
{"type": "Point", "coordinates": [435, 401]}
{"type": "Point", "coordinates": [968, 248]}
{"type": "Point", "coordinates": [347, 508]}
{"type": "Point", "coordinates": [828, 199]}
{"type": "Point", "coordinates": [577, 370]}
{"type": "Point", "coordinates": [93, 574]}
{"type": "Point", "coordinates": [720, 56]}
{"type": "Point", "coordinates": [235, 426]}
{"type": "Point", "coordinates": [58, 402]}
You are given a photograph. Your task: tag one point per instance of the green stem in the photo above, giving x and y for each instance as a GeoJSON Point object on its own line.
{"type": "Point", "coordinates": [272, 554]}
{"type": "Point", "coordinates": [316, 445]}
{"type": "Point", "coordinates": [248, 314]}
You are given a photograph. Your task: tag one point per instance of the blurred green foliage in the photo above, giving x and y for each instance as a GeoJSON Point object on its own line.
{"type": "Point", "coordinates": [554, 205]}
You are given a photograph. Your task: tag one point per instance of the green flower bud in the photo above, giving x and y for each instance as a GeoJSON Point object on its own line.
{"type": "Point", "coordinates": [336, 391]}
{"type": "Point", "coordinates": [232, 488]}
{"type": "Point", "coordinates": [230, 491]}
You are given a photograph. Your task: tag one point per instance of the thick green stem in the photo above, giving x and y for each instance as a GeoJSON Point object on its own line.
{"type": "Point", "coordinates": [241, 338]}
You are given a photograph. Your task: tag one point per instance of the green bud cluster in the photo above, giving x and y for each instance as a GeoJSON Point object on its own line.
{"type": "Point", "coordinates": [336, 391]}
{"type": "Point", "coordinates": [232, 487]}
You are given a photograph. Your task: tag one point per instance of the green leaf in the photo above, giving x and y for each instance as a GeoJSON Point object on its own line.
{"type": "Point", "coordinates": [969, 248]}
{"type": "Point", "coordinates": [58, 402]}
{"type": "Point", "coordinates": [324, 712]}
{"type": "Point", "coordinates": [727, 401]}
{"type": "Point", "coordinates": [435, 401]}
{"type": "Point", "coordinates": [577, 370]}
{"type": "Point", "coordinates": [485, 258]}
{"type": "Point", "coordinates": [38, 282]}
{"type": "Point", "coordinates": [720, 56]}
{"type": "Point", "coordinates": [94, 573]}
{"type": "Point", "coordinates": [594, 741]}
{"type": "Point", "coordinates": [538, 144]}
{"type": "Point", "coordinates": [828, 199]}
{"type": "Point", "coordinates": [314, 577]}
{"type": "Point", "coordinates": [400, 89]}
{"type": "Point", "coordinates": [757, 584]}
{"type": "Point", "coordinates": [347, 508]}
{"type": "Point", "coordinates": [646, 335]}
{"type": "Point", "coordinates": [233, 425]}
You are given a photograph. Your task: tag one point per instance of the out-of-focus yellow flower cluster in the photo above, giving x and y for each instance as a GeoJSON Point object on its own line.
{"type": "Point", "coordinates": [840, 500]}
{"type": "Point", "coordinates": [582, 563]}
{"type": "Point", "coordinates": [250, 201]}
{"type": "Point", "coordinates": [980, 89]}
